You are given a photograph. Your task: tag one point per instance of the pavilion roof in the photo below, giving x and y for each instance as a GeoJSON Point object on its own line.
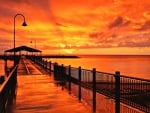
{"type": "Point", "coordinates": [23, 48]}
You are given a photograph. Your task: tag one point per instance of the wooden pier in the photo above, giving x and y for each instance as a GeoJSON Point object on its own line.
{"type": "Point", "coordinates": [37, 92]}
{"type": "Point", "coordinates": [46, 87]}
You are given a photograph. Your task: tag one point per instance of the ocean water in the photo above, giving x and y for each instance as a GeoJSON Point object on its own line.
{"type": "Point", "coordinates": [9, 63]}
{"type": "Point", "coordinates": [1, 67]}
{"type": "Point", "coordinates": [129, 65]}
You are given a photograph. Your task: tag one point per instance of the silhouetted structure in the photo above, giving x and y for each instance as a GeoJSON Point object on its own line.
{"type": "Point", "coordinates": [8, 54]}
{"type": "Point", "coordinates": [23, 24]}
{"type": "Point", "coordinates": [24, 48]}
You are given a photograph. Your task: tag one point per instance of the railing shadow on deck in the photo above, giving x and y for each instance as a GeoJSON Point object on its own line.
{"type": "Point", "coordinates": [8, 90]}
{"type": "Point", "coordinates": [126, 94]}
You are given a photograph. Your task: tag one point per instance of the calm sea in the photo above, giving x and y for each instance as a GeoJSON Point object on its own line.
{"type": "Point", "coordinates": [136, 66]}
{"type": "Point", "coordinates": [2, 72]}
{"type": "Point", "coordinates": [129, 65]}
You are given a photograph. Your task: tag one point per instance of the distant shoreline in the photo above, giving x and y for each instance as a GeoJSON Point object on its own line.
{"type": "Point", "coordinates": [50, 56]}
{"type": "Point", "coordinates": [84, 56]}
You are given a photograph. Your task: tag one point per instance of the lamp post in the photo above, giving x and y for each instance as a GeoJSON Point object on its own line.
{"type": "Point", "coordinates": [34, 43]}
{"type": "Point", "coordinates": [23, 24]}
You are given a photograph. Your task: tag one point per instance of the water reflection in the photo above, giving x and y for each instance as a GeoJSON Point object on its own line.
{"type": "Point", "coordinates": [137, 66]}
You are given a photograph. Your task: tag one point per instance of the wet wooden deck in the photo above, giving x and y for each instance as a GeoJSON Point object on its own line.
{"type": "Point", "coordinates": [38, 93]}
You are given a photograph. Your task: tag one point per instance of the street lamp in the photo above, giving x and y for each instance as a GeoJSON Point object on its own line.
{"type": "Point", "coordinates": [23, 24]}
{"type": "Point", "coordinates": [34, 43]}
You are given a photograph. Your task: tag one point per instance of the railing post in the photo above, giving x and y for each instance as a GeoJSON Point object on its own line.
{"type": "Point", "coordinates": [79, 77]}
{"type": "Point", "coordinates": [15, 76]}
{"type": "Point", "coordinates": [117, 92]}
{"type": "Point", "coordinates": [61, 73]}
{"type": "Point", "coordinates": [40, 61]}
{"type": "Point", "coordinates": [6, 68]}
{"type": "Point", "coordinates": [50, 66]}
{"type": "Point", "coordinates": [12, 86]}
{"type": "Point", "coordinates": [34, 58]}
{"type": "Point", "coordinates": [69, 76]}
{"type": "Point", "coordinates": [46, 65]}
{"type": "Point", "coordinates": [94, 90]}
{"type": "Point", "coordinates": [55, 70]}
{"type": "Point", "coordinates": [43, 63]}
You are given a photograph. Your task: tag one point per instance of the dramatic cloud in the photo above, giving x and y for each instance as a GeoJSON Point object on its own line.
{"type": "Point", "coordinates": [118, 21]}
{"type": "Point", "coordinates": [77, 25]}
{"type": "Point", "coordinates": [146, 26]}
{"type": "Point", "coordinates": [3, 30]}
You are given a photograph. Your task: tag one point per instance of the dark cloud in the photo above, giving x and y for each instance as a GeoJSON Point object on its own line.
{"type": "Point", "coordinates": [104, 39]}
{"type": "Point", "coordinates": [117, 22]}
{"type": "Point", "coordinates": [59, 24]}
{"type": "Point", "coordinates": [113, 40]}
{"type": "Point", "coordinates": [6, 11]}
{"type": "Point", "coordinates": [134, 44]}
{"type": "Point", "coordinates": [114, 36]}
{"type": "Point", "coordinates": [146, 44]}
{"type": "Point", "coordinates": [36, 4]}
{"type": "Point", "coordinates": [135, 41]}
{"type": "Point", "coordinates": [15, 1]}
{"type": "Point", "coordinates": [96, 34]}
{"type": "Point", "coordinates": [146, 26]}
{"type": "Point", "coordinates": [42, 4]}
{"type": "Point", "coordinates": [5, 30]}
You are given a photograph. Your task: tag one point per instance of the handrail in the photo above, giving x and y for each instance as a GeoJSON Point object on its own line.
{"type": "Point", "coordinates": [131, 91]}
{"type": "Point", "coordinates": [9, 76]}
{"type": "Point", "coordinates": [114, 86]}
{"type": "Point", "coordinates": [7, 90]}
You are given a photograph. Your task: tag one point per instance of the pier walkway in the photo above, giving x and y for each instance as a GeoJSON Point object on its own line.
{"type": "Point", "coordinates": [37, 92]}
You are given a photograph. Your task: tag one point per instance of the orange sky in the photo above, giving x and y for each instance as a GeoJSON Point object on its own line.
{"type": "Point", "coordinates": [78, 26]}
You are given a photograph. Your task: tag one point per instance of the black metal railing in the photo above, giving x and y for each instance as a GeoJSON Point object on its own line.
{"type": "Point", "coordinates": [126, 94]}
{"type": "Point", "coordinates": [135, 92]}
{"type": "Point", "coordinates": [7, 90]}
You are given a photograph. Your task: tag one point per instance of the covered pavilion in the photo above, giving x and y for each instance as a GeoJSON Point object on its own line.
{"type": "Point", "coordinates": [22, 49]}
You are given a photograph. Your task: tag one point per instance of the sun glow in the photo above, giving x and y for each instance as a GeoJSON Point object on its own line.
{"type": "Point", "coordinates": [68, 51]}
{"type": "Point", "coordinates": [62, 45]}
{"type": "Point", "coordinates": [77, 27]}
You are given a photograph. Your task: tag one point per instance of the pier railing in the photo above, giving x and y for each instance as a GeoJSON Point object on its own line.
{"type": "Point", "coordinates": [124, 94]}
{"type": "Point", "coordinates": [135, 92]}
{"type": "Point", "coordinates": [7, 90]}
